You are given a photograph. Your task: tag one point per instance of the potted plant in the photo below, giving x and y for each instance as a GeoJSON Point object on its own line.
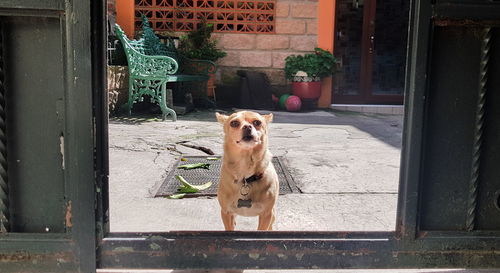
{"type": "Point", "coordinates": [198, 45]}
{"type": "Point", "coordinates": [306, 71]}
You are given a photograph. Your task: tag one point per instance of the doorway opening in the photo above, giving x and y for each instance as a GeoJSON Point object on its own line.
{"type": "Point", "coordinates": [345, 166]}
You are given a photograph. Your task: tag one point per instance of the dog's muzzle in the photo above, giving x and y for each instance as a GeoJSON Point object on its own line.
{"type": "Point", "coordinates": [247, 133]}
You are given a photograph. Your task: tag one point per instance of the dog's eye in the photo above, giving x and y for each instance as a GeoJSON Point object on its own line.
{"type": "Point", "coordinates": [234, 124]}
{"type": "Point", "coordinates": [257, 123]}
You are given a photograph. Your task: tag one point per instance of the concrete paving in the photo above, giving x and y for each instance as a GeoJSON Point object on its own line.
{"type": "Point", "coordinates": [346, 164]}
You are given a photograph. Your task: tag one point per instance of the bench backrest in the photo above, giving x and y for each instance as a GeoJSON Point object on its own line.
{"type": "Point", "coordinates": [153, 45]}
{"type": "Point", "coordinates": [140, 63]}
{"type": "Point", "coordinates": [147, 45]}
{"type": "Point", "coordinates": [130, 46]}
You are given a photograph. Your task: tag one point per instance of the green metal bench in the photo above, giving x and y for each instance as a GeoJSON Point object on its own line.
{"type": "Point", "coordinates": [189, 69]}
{"type": "Point", "coordinates": [153, 64]}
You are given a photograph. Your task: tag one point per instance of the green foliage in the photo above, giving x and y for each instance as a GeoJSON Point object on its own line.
{"type": "Point", "coordinates": [198, 44]}
{"type": "Point", "coordinates": [321, 64]}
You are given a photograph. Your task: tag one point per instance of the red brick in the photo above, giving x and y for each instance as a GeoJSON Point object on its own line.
{"type": "Point", "coordinates": [237, 41]}
{"type": "Point", "coordinates": [309, 10]}
{"type": "Point", "coordinates": [312, 27]}
{"type": "Point", "coordinates": [272, 42]}
{"type": "Point", "coordinates": [255, 59]}
{"type": "Point", "coordinates": [290, 26]}
{"type": "Point", "coordinates": [232, 59]}
{"type": "Point", "coordinates": [282, 9]}
{"type": "Point", "coordinates": [304, 43]}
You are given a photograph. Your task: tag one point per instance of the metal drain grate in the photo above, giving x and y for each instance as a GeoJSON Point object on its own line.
{"type": "Point", "coordinates": [201, 176]}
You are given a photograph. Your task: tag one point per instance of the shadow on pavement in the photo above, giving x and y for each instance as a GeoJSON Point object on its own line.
{"type": "Point", "coordinates": [386, 128]}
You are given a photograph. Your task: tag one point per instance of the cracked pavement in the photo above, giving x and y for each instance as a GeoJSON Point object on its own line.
{"type": "Point", "coordinates": [346, 165]}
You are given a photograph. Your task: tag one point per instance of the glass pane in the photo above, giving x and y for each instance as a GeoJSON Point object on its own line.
{"type": "Point", "coordinates": [348, 47]}
{"type": "Point", "coordinates": [389, 52]}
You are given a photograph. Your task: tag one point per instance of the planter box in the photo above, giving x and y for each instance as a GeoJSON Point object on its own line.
{"type": "Point", "coordinates": [117, 87]}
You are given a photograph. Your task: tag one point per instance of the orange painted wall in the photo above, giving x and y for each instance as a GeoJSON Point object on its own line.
{"type": "Point", "coordinates": [125, 16]}
{"type": "Point", "coordinates": [326, 39]}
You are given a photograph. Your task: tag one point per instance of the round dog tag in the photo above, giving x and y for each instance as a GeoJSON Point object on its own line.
{"type": "Point", "coordinates": [245, 190]}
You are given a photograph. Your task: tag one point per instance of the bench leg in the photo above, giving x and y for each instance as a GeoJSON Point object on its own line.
{"type": "Point", "coordinates": [130, 102]}
{"type": "Point", "coordinates": [163, 105]}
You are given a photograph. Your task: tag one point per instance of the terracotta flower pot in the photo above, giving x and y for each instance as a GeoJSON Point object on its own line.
{"type": "Point", "coordinates": [307, 90]}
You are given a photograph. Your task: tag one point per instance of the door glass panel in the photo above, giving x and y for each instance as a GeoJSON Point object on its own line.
{"type": "Point", "coordinates": [389, 47]}
{"type": "Point", "coordinates": [349, 29]}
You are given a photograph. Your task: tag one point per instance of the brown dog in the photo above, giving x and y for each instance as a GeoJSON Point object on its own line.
{"type": "Point", "coordinates": [248, 181]}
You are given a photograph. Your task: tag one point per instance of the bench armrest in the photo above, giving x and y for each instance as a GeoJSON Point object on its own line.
{"type": "Point", "coordinates": [152, 66]}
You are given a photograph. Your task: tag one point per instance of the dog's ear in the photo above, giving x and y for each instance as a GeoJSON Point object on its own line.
{"type": "Point", "coordinates": [221, 118]}
{"type": "Point", "coordinates": [268, 118]}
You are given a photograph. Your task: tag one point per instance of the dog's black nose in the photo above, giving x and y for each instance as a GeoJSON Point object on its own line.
{"type": "Point", "coordinates": [247, 127]}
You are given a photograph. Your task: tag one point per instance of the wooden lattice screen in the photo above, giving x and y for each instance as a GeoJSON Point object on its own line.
{"type": "Point", "coordinates": [247, 16]}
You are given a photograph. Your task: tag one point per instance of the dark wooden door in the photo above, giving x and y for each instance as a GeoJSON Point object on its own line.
{"type": "Point", "coordinates": [371, 44]}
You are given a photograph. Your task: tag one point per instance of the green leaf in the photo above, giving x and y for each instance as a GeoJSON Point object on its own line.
{"type": "Point", "coordinates": [194, 166]}
{"type": "Point", "coordinates": [202, 187]}
{"type": "Point", "coordinates": [184, 189]}
{"type": "Point", "coordinates": [189, 188]}
{"type": "Point", "coordinates": [176, 196]}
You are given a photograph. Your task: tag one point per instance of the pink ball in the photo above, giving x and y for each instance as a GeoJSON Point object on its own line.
{"type": "Point", "coordinates": [275, 99]}
{"type": "Point", "coordinates": [293, 104]}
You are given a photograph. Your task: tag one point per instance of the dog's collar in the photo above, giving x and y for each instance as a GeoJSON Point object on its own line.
{"type": "Point", "coordinates": [252, 178]}
{"type": "Point", "coordinates": [245, 190]}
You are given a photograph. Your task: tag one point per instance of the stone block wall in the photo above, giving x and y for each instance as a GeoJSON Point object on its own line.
{"type": "Point", "coordinates": [296, 33]}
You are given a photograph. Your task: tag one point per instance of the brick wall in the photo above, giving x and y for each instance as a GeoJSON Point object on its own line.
{"type": "Point", "coordinates": [296, 33]}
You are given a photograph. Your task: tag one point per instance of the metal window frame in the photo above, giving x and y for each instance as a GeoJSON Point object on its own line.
{"type": "Point", "coordinates": [88, 243]}
{"type": "Point", "coordinates": [407, 247]}
{"type": "Point", "coordinates": [74, 249]}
